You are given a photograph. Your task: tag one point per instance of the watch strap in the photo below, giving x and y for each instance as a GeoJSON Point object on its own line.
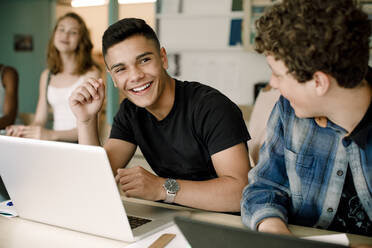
{"type": "Point", "coordinates": [169, 197]}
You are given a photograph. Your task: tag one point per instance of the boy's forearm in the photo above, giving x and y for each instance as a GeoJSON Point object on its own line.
{"type": "Point", "coordinates": [273, 225]}
{"type": "Point", "coordinates": [88, 132]}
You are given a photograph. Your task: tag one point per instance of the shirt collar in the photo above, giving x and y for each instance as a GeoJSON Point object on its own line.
{"type": "Point", "coordinates": [360, 133]}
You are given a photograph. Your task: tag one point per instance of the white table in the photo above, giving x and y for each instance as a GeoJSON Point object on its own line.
{"type": "Point", "coordinates": [18, 232]}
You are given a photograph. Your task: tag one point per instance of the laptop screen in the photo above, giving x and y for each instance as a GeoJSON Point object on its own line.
{"type": "Point", "coordinates": [205, 234]}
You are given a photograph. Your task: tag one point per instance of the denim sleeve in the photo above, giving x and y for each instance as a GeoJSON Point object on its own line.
{"type": "Point", "coordinates": [267, 194]}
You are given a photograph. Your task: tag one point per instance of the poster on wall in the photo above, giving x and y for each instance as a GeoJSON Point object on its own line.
{"type": "Point", "coordinates": [236, 29]}
{"type": "Point", "coordinates": [23, 43]}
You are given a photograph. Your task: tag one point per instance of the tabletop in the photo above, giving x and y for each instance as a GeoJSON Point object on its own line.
{"type": "Point", "coordinates": [17, 232]}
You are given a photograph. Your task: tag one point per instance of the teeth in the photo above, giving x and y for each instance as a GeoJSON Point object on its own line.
{"type": "Point", "coordinates": [141, 88]}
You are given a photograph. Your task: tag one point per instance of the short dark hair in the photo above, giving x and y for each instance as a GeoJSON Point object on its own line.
{"type": "Point", "coordinates": [331, 36]}
{"type": "Point", "coordinates": [124, 29]}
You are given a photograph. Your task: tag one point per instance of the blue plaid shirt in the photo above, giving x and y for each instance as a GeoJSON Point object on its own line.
{"type": "Point", "coordinates": [301, 171]}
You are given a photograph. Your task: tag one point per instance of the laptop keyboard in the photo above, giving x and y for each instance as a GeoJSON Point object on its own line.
{"type": "Point", "coordinates": [135, 222]}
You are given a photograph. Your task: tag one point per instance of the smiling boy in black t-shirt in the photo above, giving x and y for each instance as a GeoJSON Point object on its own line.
{"type": "Point", "coordinates": [192, 136]}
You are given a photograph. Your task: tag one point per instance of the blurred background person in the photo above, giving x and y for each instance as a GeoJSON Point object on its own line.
{"type": "Point", "coordinates": [70, 62]}
{"type": "Point", "coordinates": [8, 95]}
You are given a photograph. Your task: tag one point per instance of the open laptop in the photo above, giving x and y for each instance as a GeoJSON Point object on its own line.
{"type": "Point", "coordinates": [201, 234]}
{"type": "Point", "coordinates": [72, 186]}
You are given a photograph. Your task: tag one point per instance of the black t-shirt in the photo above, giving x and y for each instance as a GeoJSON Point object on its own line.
{"type": "Point", "coordinates": [351, 216]}
{"type": "Point", "coordinates": [201, 123]}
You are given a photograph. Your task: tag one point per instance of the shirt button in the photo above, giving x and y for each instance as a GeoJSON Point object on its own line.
{"type": "Point", "coordinates": [330, 210]}
{"type": "Point", "coordinates": [340, 173]}
{"type": "Point", "coordinates": [346, 142]}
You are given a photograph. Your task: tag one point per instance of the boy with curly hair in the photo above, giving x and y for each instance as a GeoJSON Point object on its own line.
{"type": "Point", "coordinates": [315, 167]}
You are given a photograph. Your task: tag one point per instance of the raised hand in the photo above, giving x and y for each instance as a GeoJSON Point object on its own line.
{"type": "Point", "coordinates": [87, 99]}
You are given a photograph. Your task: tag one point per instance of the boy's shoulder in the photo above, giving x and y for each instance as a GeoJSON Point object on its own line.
{"type": "Point", "coordinates": [199, 93]}
{"type": "Point", "coordinates": [196, 87]}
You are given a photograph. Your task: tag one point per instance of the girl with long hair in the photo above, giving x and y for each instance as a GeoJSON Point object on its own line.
{"type": "Point", "coordinates": [70, 63]}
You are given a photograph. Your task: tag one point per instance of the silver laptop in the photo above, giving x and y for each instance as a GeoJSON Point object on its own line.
{"type": "Point", "coordinates": [72, 186]}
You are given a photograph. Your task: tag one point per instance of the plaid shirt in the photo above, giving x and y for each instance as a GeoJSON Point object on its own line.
{"type": "Point", "coordinates": [301, 170]}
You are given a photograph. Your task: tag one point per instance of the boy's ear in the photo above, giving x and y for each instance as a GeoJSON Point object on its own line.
{"type": "Point", "coordinates": [322, 83]}
{"type": "Point", "coordinates": [164, 58]}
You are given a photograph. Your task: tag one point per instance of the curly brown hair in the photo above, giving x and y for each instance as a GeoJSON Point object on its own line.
{"type": "Point", "coordinates": [84, 60]}
{"type": "Point", "coordinates": [331, 36]}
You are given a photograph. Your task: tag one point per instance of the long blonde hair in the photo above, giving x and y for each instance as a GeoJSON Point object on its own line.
{"type": "Point", "coordinates": [83, 52]}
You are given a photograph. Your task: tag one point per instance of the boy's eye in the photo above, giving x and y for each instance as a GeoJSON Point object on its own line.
{"type": "Point", "coordinates": [144, 60]}
{"type": "Point", "coordinates": [119, 70]}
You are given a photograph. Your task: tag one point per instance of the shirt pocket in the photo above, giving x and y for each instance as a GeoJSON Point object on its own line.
{"type": "Point", "coordinates": [300, 172]}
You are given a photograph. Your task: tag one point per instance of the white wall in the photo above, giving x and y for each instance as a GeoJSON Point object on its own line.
{"type": "Point", "coordinates": [200, 34]}
{"type": "Point", "coordinates": [233, 73]}
{"type": "Point", "coordinates": [145, 11]}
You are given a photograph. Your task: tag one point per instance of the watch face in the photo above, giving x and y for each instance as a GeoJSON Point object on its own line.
{"type": "Point", "coordinates": [171, 185]}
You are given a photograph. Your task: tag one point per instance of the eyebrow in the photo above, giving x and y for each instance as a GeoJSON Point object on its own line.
{"type": "Point", "coordinates": [137, 58]}
{"type": "Point", "coordinates": [63, 26]}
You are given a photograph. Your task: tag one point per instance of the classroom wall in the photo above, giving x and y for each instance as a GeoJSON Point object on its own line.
{"type": "Point", "coordinates": [37, 18]}
{"type": "Point", "coordinates": [199, 36]}
{"type": "Point", "coordinates": [29, 17]}
{"type": "Point", "coordinates": [233, 71]}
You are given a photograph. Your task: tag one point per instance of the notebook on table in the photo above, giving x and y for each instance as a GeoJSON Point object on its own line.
{"type": "Point", "coordinates": [72, 186]}
{"type": "Point", "coordinates": [205, 234]}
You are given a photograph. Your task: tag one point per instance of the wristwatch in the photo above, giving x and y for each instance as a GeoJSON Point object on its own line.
{"type": "Point", "coordinates": [171, 187]}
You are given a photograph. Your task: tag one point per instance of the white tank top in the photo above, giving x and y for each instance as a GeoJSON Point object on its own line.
{"type": "Point", "coordinates": [2, 91]}
{"type": "Point", "coordinates": [63, 118]}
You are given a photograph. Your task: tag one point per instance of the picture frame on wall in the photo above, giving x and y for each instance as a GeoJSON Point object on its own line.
{"type": "Point", "coordinates": [23, 43]}
{"type": "Point", "coordinates": [253, 10]}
